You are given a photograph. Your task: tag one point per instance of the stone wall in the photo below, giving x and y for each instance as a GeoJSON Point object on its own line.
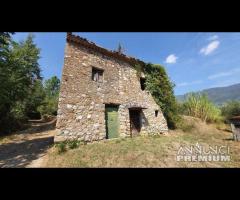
{"type": "Point", "coordinates": [81, 109]}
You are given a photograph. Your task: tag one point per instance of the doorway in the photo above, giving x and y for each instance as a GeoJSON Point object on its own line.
{"type": "Point", "coordinates": [135, 121]}
{"type": "Point", "coordinates": [111, 118]}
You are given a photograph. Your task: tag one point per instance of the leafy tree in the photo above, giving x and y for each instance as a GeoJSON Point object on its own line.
{"type": "Point", "coordinates": [50, 104]}
{"type": "Point", "coordinates": [19, 70]}
{"type": "Point", "coordinates": [5, 38]}
{"type": "Point", "coordinates": [5, 102]}
{"type": "Point", "coordinates": [5, 41]}
{"type": "Point", "coordinates": [52, 86]}
{"type": "Point", "coordinates": [22, 94]}
{"type": "Point", "coordinates": [231, 109]}
{"type": "Point", "coordinates": [34, 100]}
{"type": "Point", "coordinates": [161, 88]}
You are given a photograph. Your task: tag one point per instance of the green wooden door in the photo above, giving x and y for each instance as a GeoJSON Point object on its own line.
{"type": "Point", "coordinates": [112, 121]}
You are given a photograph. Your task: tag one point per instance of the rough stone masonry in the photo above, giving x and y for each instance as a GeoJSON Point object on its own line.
{"type": "Point", "coordinates": [94, 78]}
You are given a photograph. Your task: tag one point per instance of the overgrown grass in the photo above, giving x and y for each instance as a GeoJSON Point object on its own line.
{"type": "Point", "coordinates": [148, 151]}
{"type": "Point", "coordinates": [110, 153]}
{"type": "Point", "coordinates": [198, 105]}
{"type": "Point", "coordinates": [61, 147]}
{"type": "Point", "coordinates": [185, 126]}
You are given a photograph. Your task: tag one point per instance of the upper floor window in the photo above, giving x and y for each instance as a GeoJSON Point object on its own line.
{"type": "Point", "coordinates": [142, 82]}
{"type": "Point", "coordinates": [97, 74]}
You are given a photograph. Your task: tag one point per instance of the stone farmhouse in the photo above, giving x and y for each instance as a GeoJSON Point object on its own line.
{"type": "Point", "coordinates": [102, 96]}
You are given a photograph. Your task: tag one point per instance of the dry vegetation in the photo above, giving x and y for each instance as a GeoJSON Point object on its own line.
{"type": "Point", "coordinates": [34, 149]}
{"type": "Point", "coordinates": [154, 151]}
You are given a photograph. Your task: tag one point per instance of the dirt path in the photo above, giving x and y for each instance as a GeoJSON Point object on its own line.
{"type": "Point", "coordinates": [27, 148]}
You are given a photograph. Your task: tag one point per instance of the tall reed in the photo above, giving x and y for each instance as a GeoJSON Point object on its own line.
{"type": "Point", "coordinates": [198, 105]}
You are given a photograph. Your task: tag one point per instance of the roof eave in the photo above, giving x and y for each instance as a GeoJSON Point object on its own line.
{"type": "Point", "coordinates": [90, 45]}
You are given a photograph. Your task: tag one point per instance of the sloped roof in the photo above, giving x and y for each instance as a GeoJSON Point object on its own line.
{"type": "Point", "coordinates": [235, 120]}
{"type": "Point", "coordinates": [92, 46]}
{"type": "Point", "coordinates": [236, 117]}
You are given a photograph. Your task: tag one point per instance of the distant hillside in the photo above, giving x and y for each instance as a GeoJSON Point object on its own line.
{"type": "Point", "coordinates": [220, 95]}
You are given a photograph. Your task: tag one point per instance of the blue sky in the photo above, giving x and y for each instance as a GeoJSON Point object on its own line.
{"type": "Point", "coordinates": [193, 61]}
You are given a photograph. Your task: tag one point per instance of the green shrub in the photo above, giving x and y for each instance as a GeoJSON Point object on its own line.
{"type": "Point", "coordinates": [50, 103]}
{"type": "Point", "coordinates": [73, 144]}
{"type": "Point", "coordinates": [61, 147]}
{"type": "Point", "coordinates": [161, 88]}
{"type": "Point", "coordinates": [230, 109]}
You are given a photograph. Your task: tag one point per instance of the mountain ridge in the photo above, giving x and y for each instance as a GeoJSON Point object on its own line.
{"type": "Point", "coordinates": [218, 95]}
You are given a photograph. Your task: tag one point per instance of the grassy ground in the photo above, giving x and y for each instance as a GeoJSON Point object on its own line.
{"type": "Point", "coordinates": [148, 151]}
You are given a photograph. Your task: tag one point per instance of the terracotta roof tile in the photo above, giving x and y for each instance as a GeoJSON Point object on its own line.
{"type": "Point", "coordinates": [90, 45]}
{"type": "Point", "coordinates": [236, 118]}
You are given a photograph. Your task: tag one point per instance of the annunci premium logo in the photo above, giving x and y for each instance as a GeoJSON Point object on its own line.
{"type": "Point", "coordinates": [203, 153]}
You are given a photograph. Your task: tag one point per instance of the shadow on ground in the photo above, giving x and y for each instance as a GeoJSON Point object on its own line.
{"type": "Point", "coordinates": [20, 154]}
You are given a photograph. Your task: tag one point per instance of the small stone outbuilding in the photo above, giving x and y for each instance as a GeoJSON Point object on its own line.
{"type": "Point", "coordinates": [235, 126]}
{"type": "Point", "coordinates": [102, 96]}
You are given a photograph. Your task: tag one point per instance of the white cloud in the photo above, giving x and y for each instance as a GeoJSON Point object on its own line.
{"type": "Point", "coordinates": [214, 37]}
{"type": "Point", "coordinates": [171, 59]}
{"type": "Point", "coordinates": [223, 74]}
{"type": "Point", "coordinates": [212, 46]}
{"type": "Point", "coordinates": [189, 83]}
{"type": "Point", "coordinates": [218, 75]}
